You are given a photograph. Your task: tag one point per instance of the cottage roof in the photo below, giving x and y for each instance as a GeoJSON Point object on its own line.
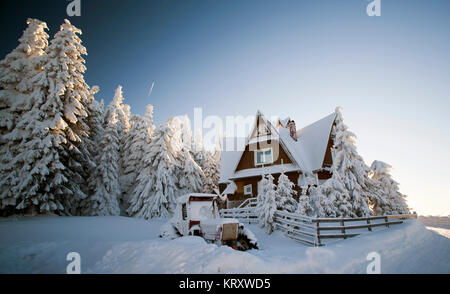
{"type": "Point", "coordinates": [308, 152]}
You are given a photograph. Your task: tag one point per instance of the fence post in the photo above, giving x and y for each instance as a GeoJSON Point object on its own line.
{"type": "Point", "coordinates": [318, 233]}
{"type": "Point", "coordinates": [343, 229]}
{"type": "Point", "coordinates": [387, 221]}
{"type": "Point", "coordinates": [369, 226]}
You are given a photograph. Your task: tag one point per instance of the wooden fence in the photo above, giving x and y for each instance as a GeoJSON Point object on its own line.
{"type": "Point", "coordinates": [245, 212]}
{"type": "Point", "coordinates": [343, 228]}
{"type": "Point", "coordinates": [314, 231]}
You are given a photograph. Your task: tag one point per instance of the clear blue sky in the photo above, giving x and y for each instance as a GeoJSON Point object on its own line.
{"type": "Point", "coordinates": [391, 74]}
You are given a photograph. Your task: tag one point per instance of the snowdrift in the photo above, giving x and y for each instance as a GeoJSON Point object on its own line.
{"type": "Point", "coordinates": [129, 245]}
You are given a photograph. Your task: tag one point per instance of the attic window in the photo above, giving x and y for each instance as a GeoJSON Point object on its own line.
{"type": "Point", "coordinates": [263, 130]}
{"type": "Point", "coordinates": [263, 156]}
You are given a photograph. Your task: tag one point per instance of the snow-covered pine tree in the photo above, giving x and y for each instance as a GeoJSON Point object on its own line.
{"type": "Point", "coordinates": [211, 170]}
{"type": "Point", "coordinates": [304, 200]}
{"type": "Point", "coordinates": [391, 201]}
{"type": "Point", "coordinates": [186, 133]}
{"type": "Point", "coordinates": [50, 148]}
{"type": "Point", "coordinates": [218, 148]}
{"type": "Point", "coordinates": [136, 140]}
{"type": "Point", "coordinates": [304, 206]}
{"type": "Point", "coordinates": [198, 150]}
{"type": "Point", "coordinates": [65, 69]}
{"type": "Point", "coordinates": [122, 111]}
{"type": "Point", "coordinates": [285, 194]}
{"type": "Point", "coordinates": [124, 122]}
{"type": "Point", "coordinates": [104, 199]}
{"type": "Point", "coordinates": [191, 175]}
{"type": "Point", "coordinates": [350, 170]}
{"type": "Point", "coordinates": [331, 199]}
{"type": "Point", "coordinates": [96, 129]}
{"type": "Point", "coordinates": [266, 203]}
{"type": "Point", "coordinates": [314, 201]}
{"type": "Point", "coordinates": [94, 120]}
{"type": "Point", "coordinates": [211, 167]}
{"type": "Point", "coordinates": [16, 70]}
{"type": "Point", "coordinates": [156, 186]}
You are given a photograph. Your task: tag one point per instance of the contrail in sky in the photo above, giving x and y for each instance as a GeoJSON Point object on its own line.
{"type": "Point", "coordinates": [151, 89]}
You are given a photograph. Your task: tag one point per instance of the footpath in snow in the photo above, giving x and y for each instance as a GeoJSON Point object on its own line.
{"type": "Point", "coordinates": [129, 245]}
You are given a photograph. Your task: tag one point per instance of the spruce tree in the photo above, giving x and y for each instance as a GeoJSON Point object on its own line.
{"type": "Point", "coordinates": [136, 140]}
{"type": "Point", "coordinates": [304, 200]}
{"type": "Point", "coordinates": [266, 203]}
{"type": "Point", "coordinates": [391, 201]}
{"type": "Point", "coordinates": [122, 112]}
{"type": "Point", "coordinates": [104, 199]}
{"type": "Point", "coordinates": [211, 170]}
{"type": "Point", "coordinates": [350, 170]}
{"type": "Point", "coordinates": [285, 194]}
{"type": "Point", "coordinates": [16, 70]}
{"type": "Point", "coordinates": [191, 175]}
{"type": "Point", "coordinates": [50, 148]}
{"type": "Point", "coordinates": [94, 120]}
{"type": "Point", "coordinates": [156, 186]}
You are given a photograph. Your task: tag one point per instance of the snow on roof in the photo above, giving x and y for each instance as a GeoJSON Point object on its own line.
{"type": "Point", "coordinates": [185, 198]}
{"type": "Point", "coordinates": [230, 159]}
{"type": "Point", "coordinates": [312, 142]}
{"type": "Point", "coordinates": [230, 189]}
{"type": "Point", "coordinates": [308, 152]}
{"type": "Point", "coordinates": [228, 162]}
{"type": "Point", "coordinates": [273, 169]}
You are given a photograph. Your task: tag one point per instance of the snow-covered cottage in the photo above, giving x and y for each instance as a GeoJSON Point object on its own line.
{"type": "Point", "coordinates": [275, 147]}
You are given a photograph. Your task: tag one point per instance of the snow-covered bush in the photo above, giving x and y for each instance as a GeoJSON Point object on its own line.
{"type": "Point", "coordinates": [266, 203]}
{"type": "Point", "coordinates": [285, 194]}
{"type": "Point", "coordinates": [304, 201]}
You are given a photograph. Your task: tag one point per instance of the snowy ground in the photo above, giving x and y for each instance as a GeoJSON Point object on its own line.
{"type": "Point", "coordinates": [128, 245]}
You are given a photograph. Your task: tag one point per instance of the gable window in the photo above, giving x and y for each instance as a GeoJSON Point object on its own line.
{"type": "Point", "coordinates": [248, 189]}
{"type": "Point", "coordinates": [263, 130]}
{"type": "Point", "coordinates": [263, 156]}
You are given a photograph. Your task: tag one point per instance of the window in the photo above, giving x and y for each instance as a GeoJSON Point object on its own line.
{"type": "Point", "coordinates": [263, 156]}
{"type": "Point", "coordinates": [263, 130]}
{"type": "Point", "coordinates": [248, 189]}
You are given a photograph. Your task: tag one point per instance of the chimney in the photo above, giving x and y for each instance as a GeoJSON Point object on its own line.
{"type": "Point", "coordinates": [292, 129]}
